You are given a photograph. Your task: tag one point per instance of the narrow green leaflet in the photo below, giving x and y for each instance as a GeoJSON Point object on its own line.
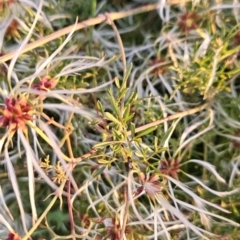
{"type": "Point", "coordinates": [122, 93]}
{"type": "Point", "coordinates": [126, 113]}
{"type": "Point", "coordinates": [109, 116]}
{"type": "Point", "coordinates": [113, 103]}
{"type": "Point", "coordinates": [146, 131]}
{"type": "Point", "coordinates": [124, 84]}
{"type": "Point", "coordinates": [132, 126]}
{"type": "Point", "coordinates": [116, 80]}
{"type": "Point", "coordinates": [98, 172]}
{"type": "Point", "coordinates": [165, 136]}
{"type": "Point", "coordinates": [102, 144]}
{"type": "Point", "coordinates": [100, 107]}
{"type": "Point", "coordinates": [132, 97]}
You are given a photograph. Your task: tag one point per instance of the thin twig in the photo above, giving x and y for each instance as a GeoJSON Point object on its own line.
{"type": "Point", "coordinates": [125, 218]}
{"type": "Point", "coordinates": [70, 210]}
{"type": "Point", "coordinates": [120, 43]}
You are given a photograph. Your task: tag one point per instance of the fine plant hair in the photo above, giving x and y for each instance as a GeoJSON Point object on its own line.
{"type": "Point", "coordinates": [119, 119]}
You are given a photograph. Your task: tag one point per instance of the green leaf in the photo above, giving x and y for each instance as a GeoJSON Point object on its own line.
{"type": "Point", "coordinates": [98, 172]}
{"type": "Point", "coordinates": [118, 135]}
{"type": "Point", "coordinates": [155, 143]}
{"type": "Point", "coordinates": [116, 80]}
{"type": "Point", "coordinates": [139, 154]}
{"type": "Point", "coordinates": [146, 131]}
{"type": "Point", "coordinates": [104, 136]}
{"type": "Point", "coordinates": [125, 78]}
{"type": "Point", "coordinates": [129, 117]}
{"type": "Point", "coordinates": [102, 161]}
{"type": "Point", "coordinates": [113, 103]}
{"type": "Point", "coordinates": [100, 107]}
{"type": "Point", "coordinates": [126, 111]}
{"type": "Point", "coordinates": [132, 126]}
{"type": "Point", "coordinates": [132, 97]}
{"type": "Point", "coordinates": [122, 93]}
{"type": "Point", "coordinates": [109, 116]}
{"type": "Point", "coordinates": [138, 140]}
{"type": "Point", "coordinates": [229, 53]}
{"type": "Point", "coordinates": [116, 148]}
{"type": "Point", "coordinates": [162, 150]}
{"type": "Point", "coordinates": [165, 136]}
{"type": "Point", "coordinates": [102, 144]}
